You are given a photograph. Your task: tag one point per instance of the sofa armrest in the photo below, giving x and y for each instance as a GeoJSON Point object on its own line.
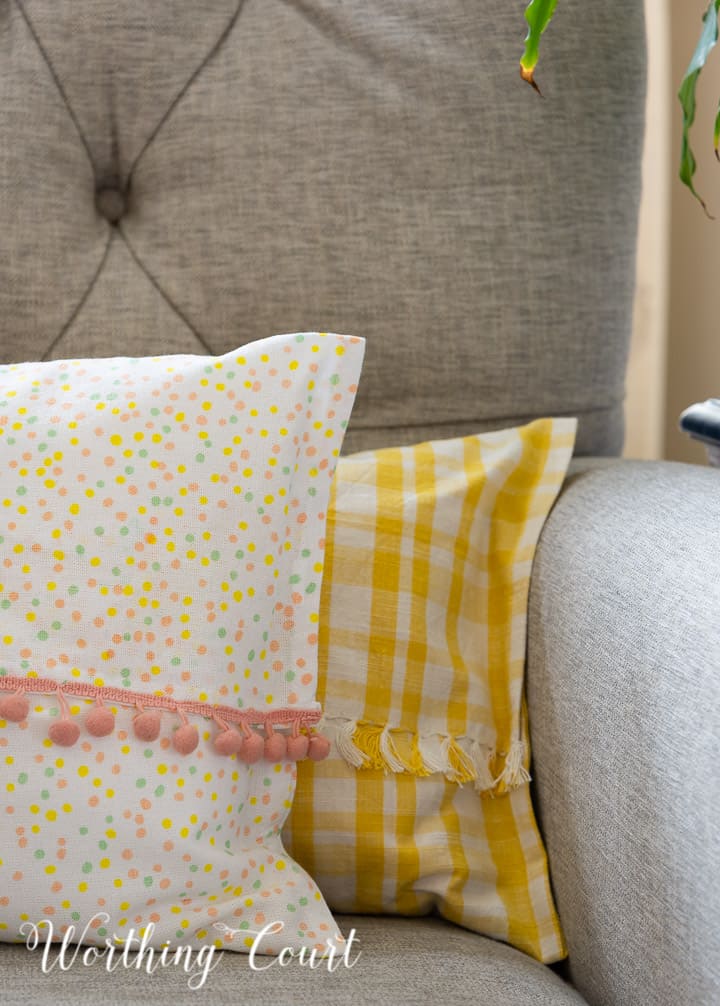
{"type": "Point", "coordinates": [624, 695]}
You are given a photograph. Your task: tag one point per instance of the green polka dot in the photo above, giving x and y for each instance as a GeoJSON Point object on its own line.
{"type": "Point", "coordinates": [86, 867]}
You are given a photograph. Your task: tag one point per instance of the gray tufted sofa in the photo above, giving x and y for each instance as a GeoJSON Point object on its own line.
{"type": "Point", "coordinates": [186, 177]}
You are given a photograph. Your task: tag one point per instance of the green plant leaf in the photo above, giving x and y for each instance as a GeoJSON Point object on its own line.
{"type": "Point", "coordinates": [538, 15]}
{"type": "Point", "coordinates": [686, 94]}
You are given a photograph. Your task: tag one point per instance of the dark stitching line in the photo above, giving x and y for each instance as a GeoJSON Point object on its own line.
{"type": "Point", "coordinates": [184, 89]}
{"type": "Point", "coordinates": [83, 299]}
{"type": "Point", "coordinates": [164, 295]}
{"type": "Point", "coordinates": [58, 85]}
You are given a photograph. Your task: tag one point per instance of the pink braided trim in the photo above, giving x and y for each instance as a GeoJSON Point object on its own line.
{"type": "Point", "coordinates": [125, 697]}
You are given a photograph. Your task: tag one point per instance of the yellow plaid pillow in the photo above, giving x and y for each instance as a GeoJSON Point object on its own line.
{"type": "Point", "coordinates": [424, 801]}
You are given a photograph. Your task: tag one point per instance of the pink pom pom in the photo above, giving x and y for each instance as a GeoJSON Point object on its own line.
{"type": "Point", "coordinates": [275, 747]}
{"type": "Point", "coordinates": [297, 747]}
{"type": "Point", "coordinates": [186, 739]}
{"type": "Point", "coordinates": [147, 726]}
{"type": "Point", "coordinates": [318, 748]}
{"type": "Point", "coordinates": [228, 742]}
{"type": "Point", "coordinates": [100, 721]}
{"type": "Point", "coordinates": [65, 733]}
{"type": "Point", "coordinates": [14, 708]}
{"type": "Point", "coordinates": [252, 748]}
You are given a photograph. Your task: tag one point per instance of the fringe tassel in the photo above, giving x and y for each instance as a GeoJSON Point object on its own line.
{"type": "Point", "coordinates": [364, 745]}
{"type": "Point", "coordinates": [367, 738]}
{"type": "Point", "coordinates": [514, 773]}
{"type": "Point", "coordinates": [481, 758]}
{"type": "Point", "coordinates": [342, 733]}
{"type": "Point", "coordinates": [431, 751]}
{"type": "Point", "coordinates": [389, 753]}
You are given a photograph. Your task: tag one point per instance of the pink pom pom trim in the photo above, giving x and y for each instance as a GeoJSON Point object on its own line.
{"type": "Point", "coordinates": [250, 745]}
{"type": "Point", "coordinates": [147, 726]}
{"type": "Point", "coordinates": [14, 707]}
{"type": "Point", "coordinates": [275, 748]}
{"type": "Point", "coordinates": [65, 733]}
{"type": "Point", "coordinates": [186, 738]}
{"type": "Point", "coordinates": [253, 746]}
{"type": "Point", "coordinates": [228, 742]}
{"type": "Point", "coordinates": [319, 747]}
{"type": "Point", "coordinates": [100, 721]}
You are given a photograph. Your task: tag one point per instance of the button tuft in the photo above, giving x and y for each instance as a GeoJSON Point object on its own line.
{"type": "Point", "coordinates": [110, 203]}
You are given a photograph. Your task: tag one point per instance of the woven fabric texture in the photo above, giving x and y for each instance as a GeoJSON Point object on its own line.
{"type": "Point", "coordinates": [624, 686]}
{"type": "Point", "coordinates": [190, 177]}
{"type": "Point", "coordinates": [403, 962]}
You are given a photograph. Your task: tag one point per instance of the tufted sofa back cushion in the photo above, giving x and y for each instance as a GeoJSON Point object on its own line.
{"type": "Point", "coordinates": [190, 176]}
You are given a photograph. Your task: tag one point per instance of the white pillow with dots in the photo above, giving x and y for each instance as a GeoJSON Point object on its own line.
{"type": "Point", "coordinates": [162, 527]}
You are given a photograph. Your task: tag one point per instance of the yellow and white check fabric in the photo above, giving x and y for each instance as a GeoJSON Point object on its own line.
{"type": "Point", "coordinates": [424, 802]}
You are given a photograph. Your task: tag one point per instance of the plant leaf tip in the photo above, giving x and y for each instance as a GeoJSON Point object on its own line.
{"type": "Point", "coordinates": [529, 78]}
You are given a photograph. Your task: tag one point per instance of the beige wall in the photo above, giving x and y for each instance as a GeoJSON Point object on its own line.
{"type": "Point", "coordinates": [645, 388]}
{"type": "Point", "coordinates": [693, 359]}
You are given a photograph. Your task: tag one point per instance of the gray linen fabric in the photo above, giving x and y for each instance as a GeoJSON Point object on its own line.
{"type": "Point", "coordinates": [403, 962]}
{"type": "Point", "coordinates": [624, 690]}
{"type": "Point", "coordinates": [358, 166]}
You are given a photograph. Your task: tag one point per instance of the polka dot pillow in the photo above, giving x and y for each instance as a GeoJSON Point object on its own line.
{"type": "Point", "coordinates": [162, 527]}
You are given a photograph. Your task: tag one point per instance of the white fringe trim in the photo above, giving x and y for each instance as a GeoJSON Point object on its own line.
{"type": "Point", "coordinates": [459, 759]}
{"type": "Point", "coordinates": [340, 733]}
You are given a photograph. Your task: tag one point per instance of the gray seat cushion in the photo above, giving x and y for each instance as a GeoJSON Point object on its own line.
{"type": "Point", "coordinates": [402, 961]}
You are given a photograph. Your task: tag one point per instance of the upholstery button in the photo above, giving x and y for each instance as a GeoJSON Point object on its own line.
{"type": "Point", "coordinates": [110, 203]}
